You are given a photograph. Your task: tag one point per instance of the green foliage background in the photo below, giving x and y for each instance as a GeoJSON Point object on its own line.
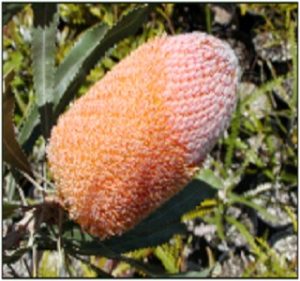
{"type": "Point", "coordinates": [256, 158]}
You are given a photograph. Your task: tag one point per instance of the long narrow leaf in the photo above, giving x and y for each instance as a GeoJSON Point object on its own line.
{"type": "Point", "coordinates": [43, 58]}
{"type": "Point", "coordinates": [69, 69]}
{"type": "Point", "coordinates": [246, 234]}
{"type": "Point", "coordinates": [96, 248]}
{"type": "Point", "coordinates": [30, 129]}
{"type": "Point", "coordinates": [12, 153]}
{"type": "Point", "coordinates": [294, 52]}
{"type": "Point", "coordinates": [68, 83]}
{"type": "Point", "coordinates": [154, 230]}
{"type": "Point", "coordinates": [160, 226]}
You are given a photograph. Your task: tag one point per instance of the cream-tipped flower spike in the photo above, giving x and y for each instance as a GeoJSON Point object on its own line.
{"type": "Point", "coordinates": [135, 138]}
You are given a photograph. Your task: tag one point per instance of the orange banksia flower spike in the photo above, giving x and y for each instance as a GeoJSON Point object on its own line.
{"type": "Point", "coordinates": [135, 138]}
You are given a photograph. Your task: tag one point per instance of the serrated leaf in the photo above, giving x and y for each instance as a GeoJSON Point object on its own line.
{"type": "Point", "coordinates": [71, 66]}
{"type": "Point", "coordinates": [68, 83]}
{"type": "Point", "coordinates": [30, 130]}
{"type": "Point", "coordinates": [9, 10]}
{"type": "Point", "coordinates": [167, 259]}
{"type": "Point", "coordinates": [12, 153]}
{"type": "Point", "coordinates": [43, 58]}
{"type": "Point", "coordinates": [125, 27]}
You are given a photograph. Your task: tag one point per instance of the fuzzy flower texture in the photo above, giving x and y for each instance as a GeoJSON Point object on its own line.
{"type": "Point", "coordinates": [136, 137]}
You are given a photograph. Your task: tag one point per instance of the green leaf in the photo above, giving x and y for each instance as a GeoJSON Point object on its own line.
{"type": "Point", "coordinates": [158, 228]}
{"type": "Point", "coordinates": [210, 178]}
{"type": "Point", "coordinates": [150, 270]}
{"type": "Point", "coordinates": [12, 153]}
{"type": "Point", "coordinates": [68, 83]}
{"type": "Point", "coordinates": [161, 225]}
{"type": "Point", "coordinates": [234, 198]}
{"type": "Point", "coordinates": [43, 59]}
{"type": "Point", "coordinates": [46, 268]}
{"type": "Point", "coordinates": [294, 52]}
{"type": "Point", "coordinates": [30, 130]}
{"type": "Point", "coordinates": [9, 10]}
{"type": "Point", "coordinates": [262, 90]}
{"type": "Point", "coordinates": [70, 68]}
{"type": "Point", "coordinates": [246, 234]}
{"type": "Point", "coordinates": [167, 259]}
{"type": "Point", "coordinates": [95, 248]}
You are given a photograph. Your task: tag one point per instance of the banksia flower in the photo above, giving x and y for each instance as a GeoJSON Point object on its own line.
{"type": "Point", "coordinates": [136, 137]}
